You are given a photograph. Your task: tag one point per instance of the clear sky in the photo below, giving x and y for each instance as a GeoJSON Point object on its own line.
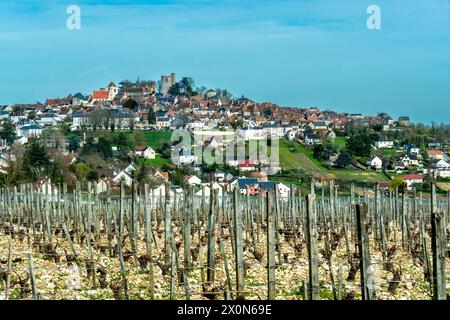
{"type": "Point", "coordinates": [295, 53]}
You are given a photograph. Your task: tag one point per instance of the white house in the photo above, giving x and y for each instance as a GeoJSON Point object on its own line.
{"type": "Point", "coordinates": [412, 149]}
{"type": "Point", "coordinates": [410, 160]}
{"type": "Point", "coordinates": [163, 122]}
{"type": "Point", "coordinates": [440, 165]}
{"type": "Point", "coordinates": [51, 120]}
{"type": "Point", "coordinates": [412, 179]}
{"type": "Point", "coordinates": [384, 144]}
{"type": "Point", "coordinates": [375, 162]}
{"type": "Point", "coordinates": [145, 152]}
{"type": "Point", "coordinates": [283, 190]}
{"type": "Point", "coordinates": [331, 135]}
{"type": "Point", "coordinates": [30, 131]}
{"type": "Point", "coordinates": [291, 134]}
{"type": "Point", "coordinates": [123, 176]}
{"type": "Point", "coordinates": [193, 180]}
{"type": "Point", "coordinates": [210, 93]}
{"type": "Point", "coordinates": [130, 169]}
{"type": "Point", "coordinates": [103, 185]}
{"type": "Point", "coordinates": [206, 190]}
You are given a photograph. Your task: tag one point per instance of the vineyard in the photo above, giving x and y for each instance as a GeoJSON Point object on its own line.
{"type": "Point", "coordinates": [137, 244]}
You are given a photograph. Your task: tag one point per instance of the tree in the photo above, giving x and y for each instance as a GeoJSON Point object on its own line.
{"type": "Point", "coordinates": [395, 183]}
{"type": "Point", "coordinates": [81, 171]}
{"type": "Point", "coordinates": [226, 94]}
{"type": "Point", "coordinates": [131, 104]}
{"type": "Point", "coordinates": [344, 159]}
{"type": "Point", "coordinates": [268, 112]}
{"type": "Point", "coordinates": [89, 147]}
{"type": "Point", "coordinates": [104, 148]}
{"type": "Point", "coordinates": [132, 124]}
{"type": "Point", "coordinates": [8, 133]}
{"type": "Point", "coordinates": [31, 115]}
{"type": "Point", "coordinates": [202, 89]}
{"type": "Point", "coordinates": [360, 142]}
{"type": "Point", "coordinates": [187, 84]}
{"type": "Point", "coordinates": [125, 84]}
{"type": "Point", "coordinates": [122, 142]}
{"type": "Point", "coordinates": [176, 89]}
{"type": "Point", "coordinates": [36, 161]}
{"type": "Point", "coordinates": [318, 151]}
{"type": "Point", "coordinates": [151, 116]}
{"type": "Point", "coordinates": [74, 143]}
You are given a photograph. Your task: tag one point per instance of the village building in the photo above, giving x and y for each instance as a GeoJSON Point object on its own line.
{"type": "Point", "coordinates": [384, 144]}
{"type": "Point", "coordinates": [412, 179]}
{"type": "Point", "coordinates": [375, 162]}
{"type": "Point", "coordinates": [193, 180]}
{"type": "Point", "coordinates": [144, 152]}
{"type": "Point", "coordinates": [435, 154]}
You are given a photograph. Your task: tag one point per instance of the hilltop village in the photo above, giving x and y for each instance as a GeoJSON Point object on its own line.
{"type": "Point", "coordinates": [122, 132]}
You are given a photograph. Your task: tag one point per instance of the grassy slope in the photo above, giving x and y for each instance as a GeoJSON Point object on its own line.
{"type": "Point", "coordinates": [295, 156]}
{"type": "Point", "coordinates": [158, 162]}
{"type": "Point", "coordinates": [341, 142]}
{"type": "Point", "coordinates": [155, 139]}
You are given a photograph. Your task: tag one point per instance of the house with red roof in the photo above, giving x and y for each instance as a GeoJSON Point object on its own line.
{"type": "Point", "coordinates": [144, 152]}
{"type": "Point", "coordinates": [435, 154]}
{"type": "Point", "coordinates": [247, 165]}
{"type": "Point", "coordinates": [412, 179]}
{"type": "Point", "coordinates": [105, 94]}
{"type": "Point", "coordinates": [100, 95]}
{"type": "Point", "coordinates": [164, 176]}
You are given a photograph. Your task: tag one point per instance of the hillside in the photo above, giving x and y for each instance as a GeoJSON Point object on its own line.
{"type": "Point", "coordinates": [295, 156]}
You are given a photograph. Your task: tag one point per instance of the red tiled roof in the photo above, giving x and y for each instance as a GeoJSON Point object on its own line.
{"type": "Point", "coordinates": [99, 95]}
{"type": "Point", "coordinates": [435, 152]}
{"type": "Point", "coordinates": [140, 148]}
{"type": "Point", "coordinates": [412, 177]}
{"type": "Point", "coordinates": [246, 163]}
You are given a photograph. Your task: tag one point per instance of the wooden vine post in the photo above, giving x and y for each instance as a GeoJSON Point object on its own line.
{"type": "Point", "coordinates": [311, 238]}
{"type": "Point", "coordinates": [438, 248]}
{"type": "Point", "coordinates": [210, 275]}
{"type": "Point", "coordinates": [270, 249]}
{"type": "Point", "coordinates": [239, 246]}
{"type": "Point", "coordinates": [167, 227]}
{"type": "Point", "coordinates": [364, 255]}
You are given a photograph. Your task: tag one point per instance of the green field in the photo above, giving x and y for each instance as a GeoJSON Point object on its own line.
{"type": "Point", "coordinates": [155, 139]}
{"type": "Point", "coordinates": [341, 142]}
{"type": "Point", "coordinates": [295, 156]}
{"type": "Point", "coordinates": [158, 162]}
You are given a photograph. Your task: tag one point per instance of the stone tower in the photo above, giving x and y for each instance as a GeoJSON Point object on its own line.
{"type": "Point", "coordinates": [166, 82]}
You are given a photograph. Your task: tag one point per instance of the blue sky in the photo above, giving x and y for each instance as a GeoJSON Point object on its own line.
{"type": "Point", "coordinates": [295, 53]}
